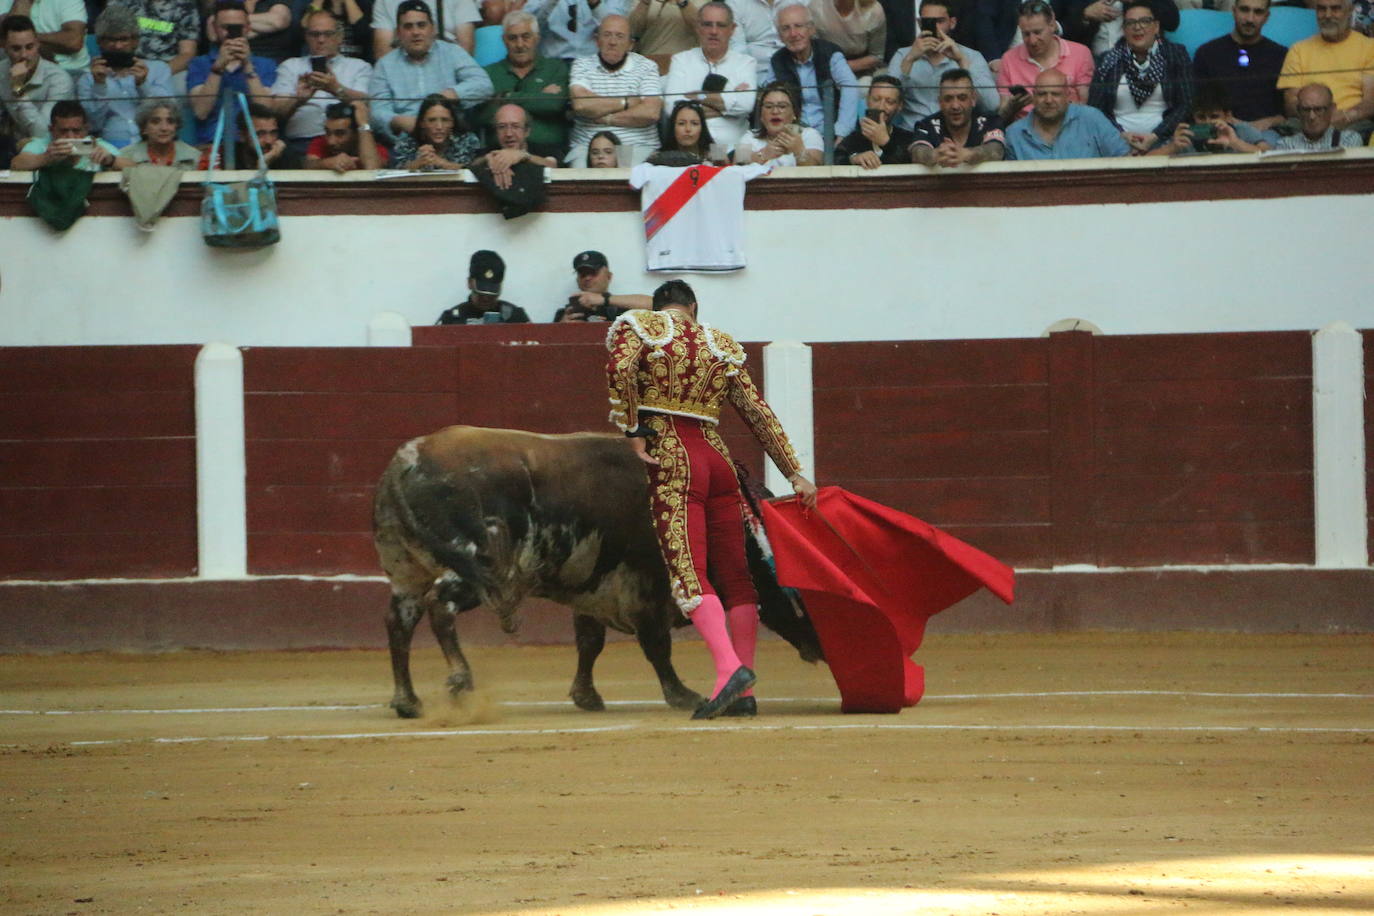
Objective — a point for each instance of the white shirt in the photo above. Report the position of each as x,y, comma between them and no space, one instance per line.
811,139
1138,119
706,232
1107,34
686,73
756,34
308,120
636,75
456,13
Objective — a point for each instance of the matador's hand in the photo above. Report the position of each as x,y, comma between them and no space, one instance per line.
641,448
806,490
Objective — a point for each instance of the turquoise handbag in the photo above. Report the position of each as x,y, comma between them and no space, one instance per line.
239,214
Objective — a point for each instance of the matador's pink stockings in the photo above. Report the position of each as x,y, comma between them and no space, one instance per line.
709,619
744,635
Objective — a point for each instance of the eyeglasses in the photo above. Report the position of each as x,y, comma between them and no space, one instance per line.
1036,8
326,33
572,17
776,106
1313,109
1144,22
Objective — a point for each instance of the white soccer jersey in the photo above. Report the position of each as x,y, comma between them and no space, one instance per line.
694,216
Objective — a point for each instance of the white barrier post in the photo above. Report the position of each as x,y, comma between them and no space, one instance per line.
221,464
1338,460
788,388
388,329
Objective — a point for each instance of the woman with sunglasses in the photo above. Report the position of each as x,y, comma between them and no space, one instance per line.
780,136
439,142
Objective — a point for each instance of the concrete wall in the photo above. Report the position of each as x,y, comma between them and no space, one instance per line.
900,273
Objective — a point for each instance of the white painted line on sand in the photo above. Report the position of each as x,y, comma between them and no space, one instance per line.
737,727
185,711
655,701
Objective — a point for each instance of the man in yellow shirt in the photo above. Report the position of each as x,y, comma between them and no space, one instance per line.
1337,57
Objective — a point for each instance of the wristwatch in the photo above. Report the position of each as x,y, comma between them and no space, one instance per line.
366,127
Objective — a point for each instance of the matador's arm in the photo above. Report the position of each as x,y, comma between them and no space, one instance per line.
762,422
625,347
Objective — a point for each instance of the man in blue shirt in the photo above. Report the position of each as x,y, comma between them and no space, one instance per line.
806,61
421,66
567,28
229,64
118,82
1057,129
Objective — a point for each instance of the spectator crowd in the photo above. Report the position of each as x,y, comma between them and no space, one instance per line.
433,85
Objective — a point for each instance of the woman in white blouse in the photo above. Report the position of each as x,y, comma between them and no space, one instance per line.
780,135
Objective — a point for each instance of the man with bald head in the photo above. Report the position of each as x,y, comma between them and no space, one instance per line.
539,84
1337,57
511,124
615,90
1059,129
1316,114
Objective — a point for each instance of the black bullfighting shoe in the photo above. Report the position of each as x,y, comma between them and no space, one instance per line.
739,682
743,708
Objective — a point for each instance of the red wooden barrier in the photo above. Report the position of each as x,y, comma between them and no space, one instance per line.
322,423
1109,451
1069,449
955,432
97,447
1204,449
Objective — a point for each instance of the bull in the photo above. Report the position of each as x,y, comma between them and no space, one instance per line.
468,517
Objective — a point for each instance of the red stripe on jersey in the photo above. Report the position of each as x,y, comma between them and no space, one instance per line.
676,196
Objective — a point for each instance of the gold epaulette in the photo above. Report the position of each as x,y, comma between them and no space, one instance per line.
656,329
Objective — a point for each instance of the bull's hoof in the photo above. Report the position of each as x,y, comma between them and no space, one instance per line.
459,684
587,698
682,697
407,709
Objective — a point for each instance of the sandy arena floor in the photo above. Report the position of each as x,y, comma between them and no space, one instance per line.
1097,774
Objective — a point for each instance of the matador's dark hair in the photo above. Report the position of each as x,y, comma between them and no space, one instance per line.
674,292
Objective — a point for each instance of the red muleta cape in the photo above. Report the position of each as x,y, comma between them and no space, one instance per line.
871,577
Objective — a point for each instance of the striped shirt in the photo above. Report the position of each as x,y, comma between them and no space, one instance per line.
637,76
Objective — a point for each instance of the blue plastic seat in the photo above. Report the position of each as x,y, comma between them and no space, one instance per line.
487,47
1197,27
1290,24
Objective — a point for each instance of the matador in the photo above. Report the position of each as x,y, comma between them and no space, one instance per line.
669,375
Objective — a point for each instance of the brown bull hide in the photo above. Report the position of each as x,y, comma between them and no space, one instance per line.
469,516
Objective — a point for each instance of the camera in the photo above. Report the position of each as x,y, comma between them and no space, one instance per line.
234,31
119,60
83,147
1203,131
